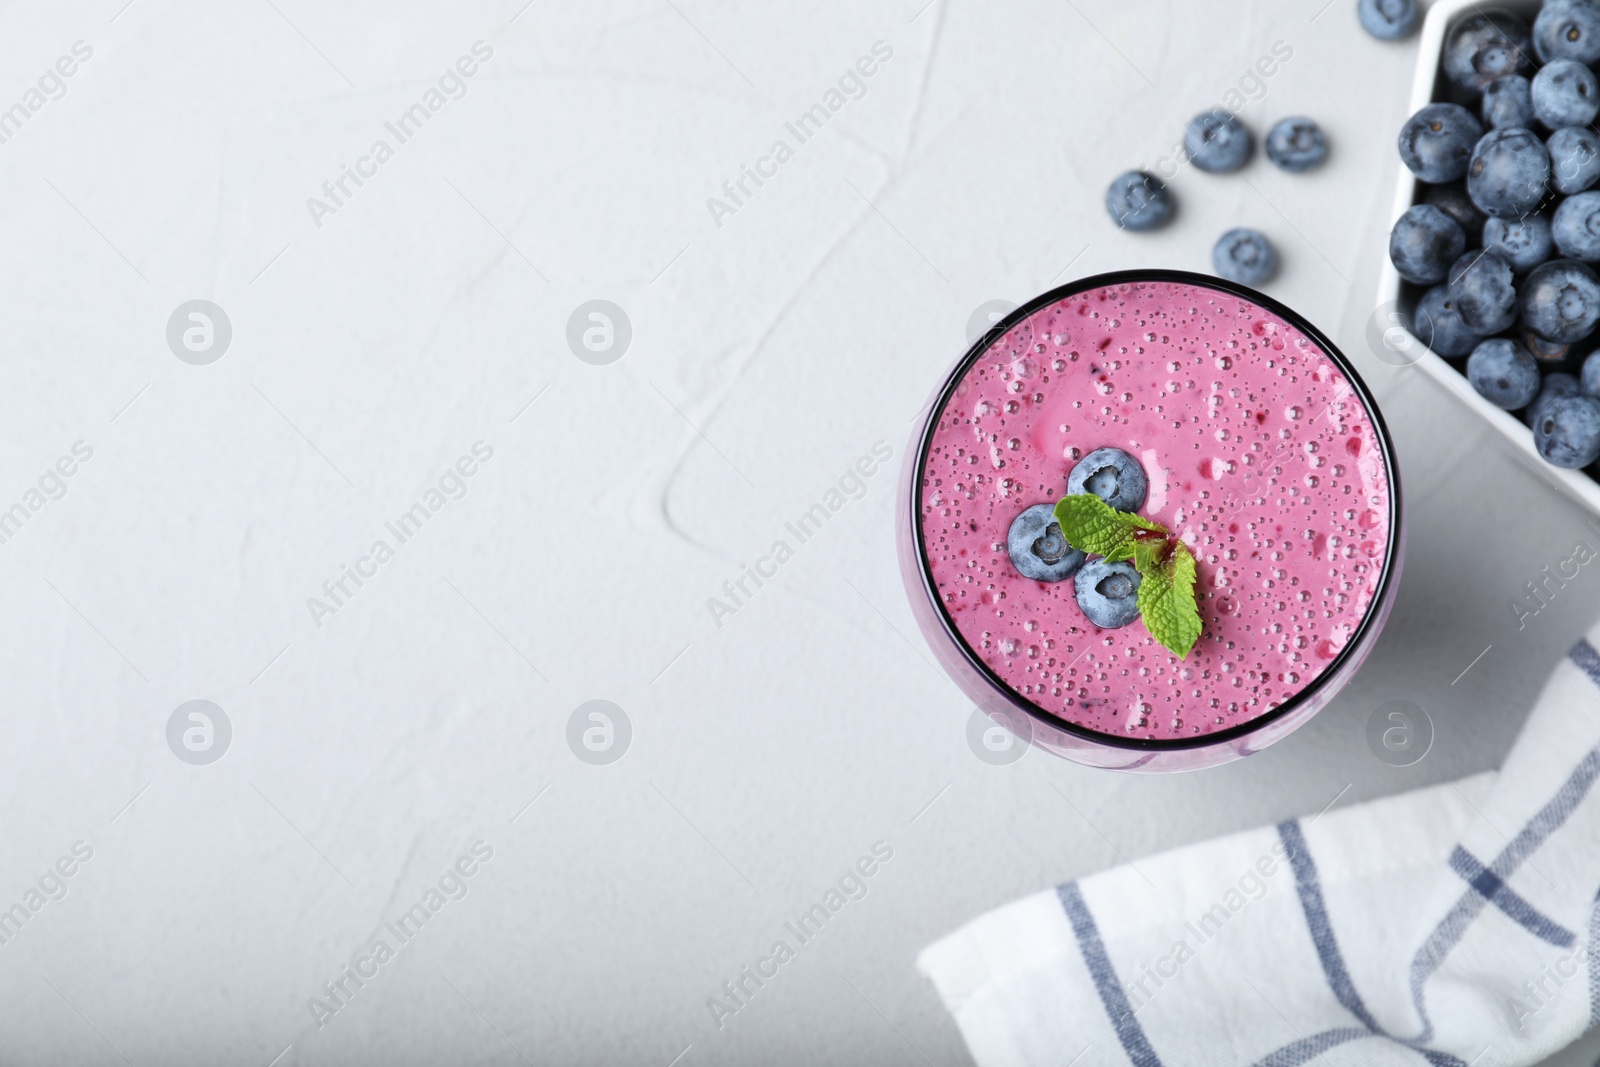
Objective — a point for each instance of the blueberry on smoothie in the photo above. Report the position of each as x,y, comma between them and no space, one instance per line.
1139,201
1113,476
1037,548
1574,159
1389,20
1436,142
1526,242
1504,373
1245,256
1576,227
1438,324
1108,593
1509,173
1481,287
1508,102
1565,93
1489,45
1297,145
1560,301
1424,243
1566,433
1217,142
1452,199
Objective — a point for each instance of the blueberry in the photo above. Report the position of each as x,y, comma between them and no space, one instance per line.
1565,93
1555,387
1389,20
1589,379
1481,289
1424,243
1549,354
1038,549
1560,301
1297,145
1574,159
1217,142
1568,29
1508,101
1576,227
1487,46
1113,476
1436,142
1452,199
1437,324
1509,173
1504,373
1525,242
1108,593
1139,201
1567,432
1245,256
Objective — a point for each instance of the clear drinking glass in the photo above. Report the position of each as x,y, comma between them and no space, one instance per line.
1286,633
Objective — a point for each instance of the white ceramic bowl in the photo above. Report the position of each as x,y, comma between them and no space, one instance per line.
1397,299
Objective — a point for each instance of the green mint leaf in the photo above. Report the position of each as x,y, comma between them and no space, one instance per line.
1093,526
1166,597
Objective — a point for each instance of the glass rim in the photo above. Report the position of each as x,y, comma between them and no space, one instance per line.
1381,589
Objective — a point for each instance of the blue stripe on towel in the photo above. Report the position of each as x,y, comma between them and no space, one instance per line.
1545,822
1594,964
1115,1001
1311,902
1585,656
1494,889
1309,888
1309,1048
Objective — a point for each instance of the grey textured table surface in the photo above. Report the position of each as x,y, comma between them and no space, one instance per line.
380,332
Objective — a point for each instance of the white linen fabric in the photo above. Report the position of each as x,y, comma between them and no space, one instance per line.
1449,926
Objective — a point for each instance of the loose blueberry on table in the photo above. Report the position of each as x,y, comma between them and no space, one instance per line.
1217,141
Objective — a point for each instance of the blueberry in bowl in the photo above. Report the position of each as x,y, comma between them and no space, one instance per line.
1452,199
1504,373
1438,324
1482,289
1508,173
1560,301
1425,242
1574,159
1486,46
1567,431
1565,93
1576,227
1508,101
1437,142
1567,29
1526,242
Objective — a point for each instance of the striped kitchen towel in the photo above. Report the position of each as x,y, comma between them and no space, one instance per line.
1448,926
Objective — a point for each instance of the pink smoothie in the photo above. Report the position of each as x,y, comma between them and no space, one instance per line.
1260,456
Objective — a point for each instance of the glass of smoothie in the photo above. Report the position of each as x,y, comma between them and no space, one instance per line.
1206,409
